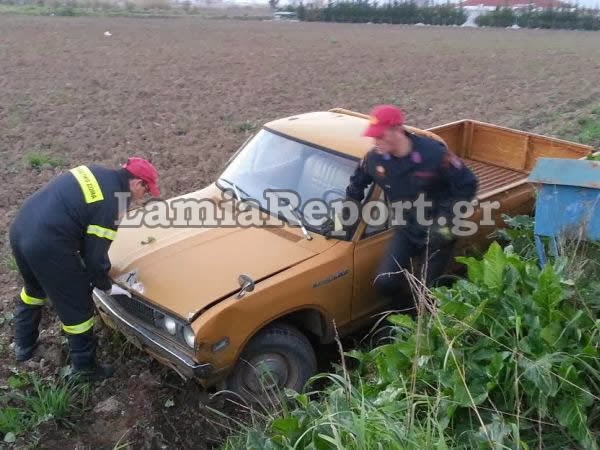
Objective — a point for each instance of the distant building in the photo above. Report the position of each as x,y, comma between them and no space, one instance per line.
475,8
491,5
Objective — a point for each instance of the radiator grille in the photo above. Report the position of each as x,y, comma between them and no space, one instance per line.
136,308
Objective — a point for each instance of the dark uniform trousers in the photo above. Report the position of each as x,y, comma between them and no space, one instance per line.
60,240
52,272
430,170
393,283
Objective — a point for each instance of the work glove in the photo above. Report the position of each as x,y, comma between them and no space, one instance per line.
440,235
336,226
117,290
332,228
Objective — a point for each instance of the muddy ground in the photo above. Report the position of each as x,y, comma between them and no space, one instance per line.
186,93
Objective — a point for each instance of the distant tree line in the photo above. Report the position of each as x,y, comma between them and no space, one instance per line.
396,12
408,12
558,18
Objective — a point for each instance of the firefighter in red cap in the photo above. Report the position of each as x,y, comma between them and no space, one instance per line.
60,240
408,166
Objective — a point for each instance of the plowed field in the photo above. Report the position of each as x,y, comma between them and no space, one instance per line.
187,92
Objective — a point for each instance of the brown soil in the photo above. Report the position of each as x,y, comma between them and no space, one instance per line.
183,91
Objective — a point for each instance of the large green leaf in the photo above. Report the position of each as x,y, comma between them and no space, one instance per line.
390,394
493,267
497,364
498,432
457,310
551,333
476,388
486,353
571,414
286,425
256,441
402,320
549,291
472,318
474,268
391,362
510,277
317,443
532,272
540,373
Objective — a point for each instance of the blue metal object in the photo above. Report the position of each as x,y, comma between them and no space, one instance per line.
568,201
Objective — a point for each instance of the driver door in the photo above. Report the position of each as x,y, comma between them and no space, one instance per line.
368,250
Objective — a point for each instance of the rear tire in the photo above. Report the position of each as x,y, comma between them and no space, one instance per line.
277,358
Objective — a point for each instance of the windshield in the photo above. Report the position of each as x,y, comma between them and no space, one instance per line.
271,168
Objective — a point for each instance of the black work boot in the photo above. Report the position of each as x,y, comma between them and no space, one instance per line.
97,372
27,322
83,358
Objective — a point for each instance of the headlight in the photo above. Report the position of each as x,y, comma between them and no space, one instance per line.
180,330
170,325
188,335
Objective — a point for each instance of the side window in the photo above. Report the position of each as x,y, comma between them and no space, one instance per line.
378,227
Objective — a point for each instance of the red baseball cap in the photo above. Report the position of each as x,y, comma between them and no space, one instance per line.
383,117
140,168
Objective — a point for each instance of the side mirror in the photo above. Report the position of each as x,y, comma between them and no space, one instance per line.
246,284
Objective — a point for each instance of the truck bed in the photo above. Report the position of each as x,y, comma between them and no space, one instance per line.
502,158
491,177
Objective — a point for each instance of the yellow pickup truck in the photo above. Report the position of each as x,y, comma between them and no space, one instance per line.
232,282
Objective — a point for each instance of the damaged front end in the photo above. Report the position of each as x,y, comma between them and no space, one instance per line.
159,333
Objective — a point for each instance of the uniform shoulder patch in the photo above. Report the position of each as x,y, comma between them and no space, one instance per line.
416,157
449,159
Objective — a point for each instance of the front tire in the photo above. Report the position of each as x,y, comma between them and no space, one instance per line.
277,358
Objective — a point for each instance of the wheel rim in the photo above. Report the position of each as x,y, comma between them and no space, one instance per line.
266,372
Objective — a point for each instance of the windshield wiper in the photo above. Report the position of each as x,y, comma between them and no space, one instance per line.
236,189
300,219
296,215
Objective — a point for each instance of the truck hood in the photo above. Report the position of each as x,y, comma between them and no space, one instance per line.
184,270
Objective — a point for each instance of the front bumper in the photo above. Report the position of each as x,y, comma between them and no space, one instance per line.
147,340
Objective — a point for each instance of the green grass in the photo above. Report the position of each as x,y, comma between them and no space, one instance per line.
11,263
64,10
587,128
584,129
38,160
72,11
117,344
244,127
31,401
346,418
26,10
590,130
159,10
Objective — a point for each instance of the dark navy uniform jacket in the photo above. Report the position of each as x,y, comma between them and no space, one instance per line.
77,211
430,169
